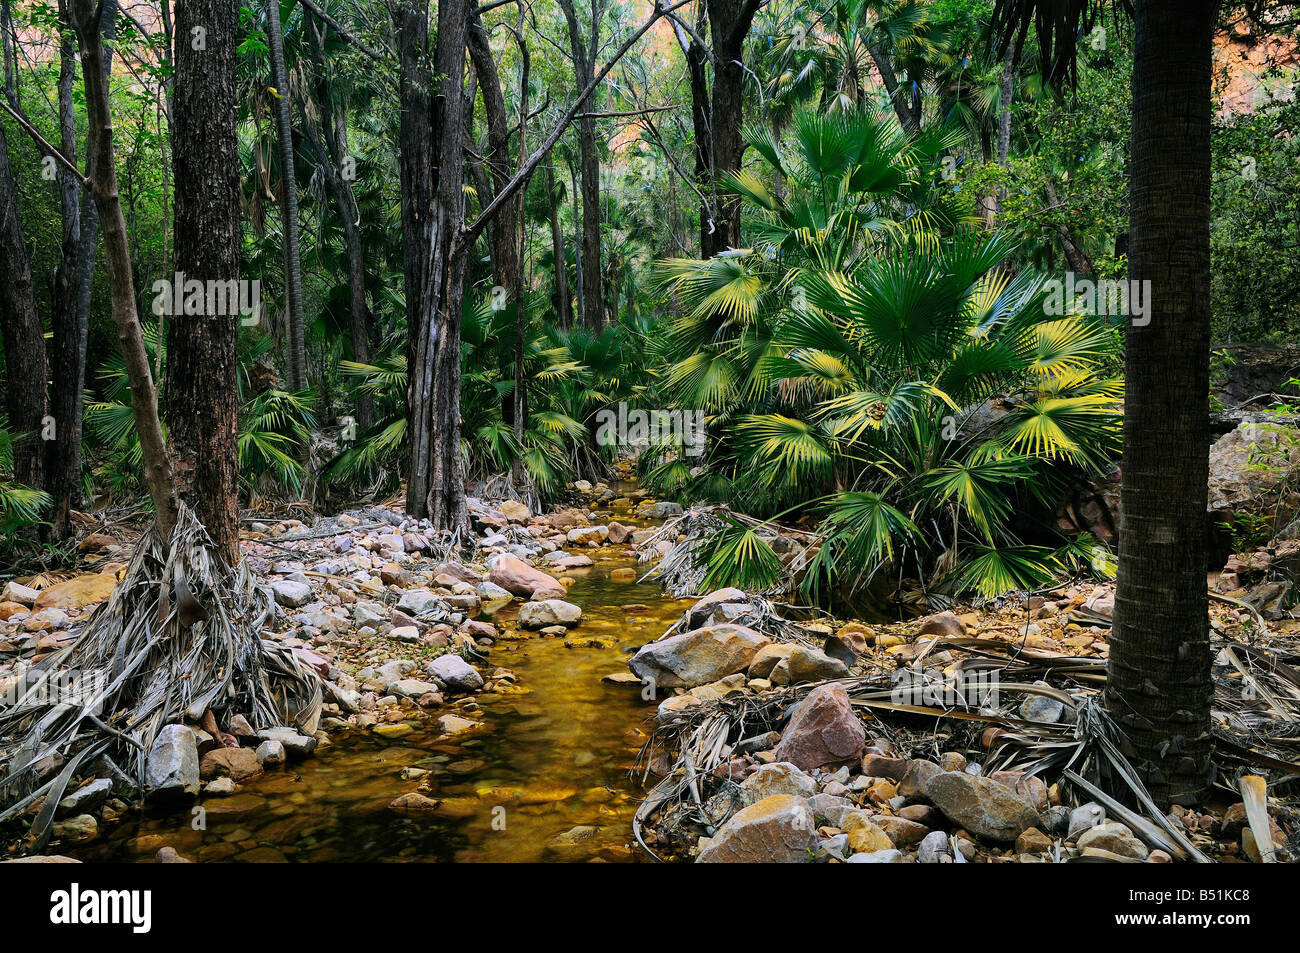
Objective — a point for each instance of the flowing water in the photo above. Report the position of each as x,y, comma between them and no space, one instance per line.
553,756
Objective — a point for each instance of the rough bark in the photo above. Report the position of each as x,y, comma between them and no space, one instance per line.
103,186
716,115
295,346
24,342
70,313
435,486
1159,684
202,390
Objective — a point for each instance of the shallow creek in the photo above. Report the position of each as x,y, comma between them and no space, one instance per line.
554,756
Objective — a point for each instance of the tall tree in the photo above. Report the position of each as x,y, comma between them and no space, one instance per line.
202,389
295,347
583,52
717,113
102,185
24,340
1158,680
330,143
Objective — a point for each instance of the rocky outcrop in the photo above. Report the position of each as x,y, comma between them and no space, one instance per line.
697,657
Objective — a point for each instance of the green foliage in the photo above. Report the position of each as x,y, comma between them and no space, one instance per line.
881,369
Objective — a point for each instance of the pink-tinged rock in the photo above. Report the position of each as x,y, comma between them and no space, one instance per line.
776,830
318,663
457,571
823,730
516,576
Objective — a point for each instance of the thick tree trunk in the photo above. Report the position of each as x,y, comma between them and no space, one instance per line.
729,23
1159,685
436,483
202,390
24,341
334,134
70,312
295,347
103,186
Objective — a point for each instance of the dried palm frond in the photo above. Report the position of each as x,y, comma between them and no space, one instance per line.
146,660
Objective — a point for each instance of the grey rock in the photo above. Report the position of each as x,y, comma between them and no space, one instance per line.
172,768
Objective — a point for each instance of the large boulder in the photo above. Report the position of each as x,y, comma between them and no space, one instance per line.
697,657
454,672
78,592
776,830
984,807
823,730
172,769
517,577
1252,467
538,615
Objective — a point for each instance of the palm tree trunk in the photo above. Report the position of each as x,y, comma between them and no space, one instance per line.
1159,683
202,390
296,354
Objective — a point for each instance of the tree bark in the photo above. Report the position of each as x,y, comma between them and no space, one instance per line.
435,486
202,390
718,118
295,347
1159,686
24,341
103,186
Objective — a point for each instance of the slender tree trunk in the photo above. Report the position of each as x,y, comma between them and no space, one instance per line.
584,67
334,134
24,341
503,238
296,354
202,390
415,169
577,244
1159,686
562,304
103,186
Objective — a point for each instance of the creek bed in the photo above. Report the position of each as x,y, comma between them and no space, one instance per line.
555,756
